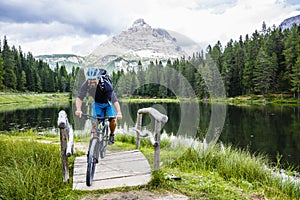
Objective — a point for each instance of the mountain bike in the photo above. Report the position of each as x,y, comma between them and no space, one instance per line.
97,146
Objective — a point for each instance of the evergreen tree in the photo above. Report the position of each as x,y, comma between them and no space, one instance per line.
162,90
10,79
17,67
141,79
1,72
295,78
80,78
263,71
216,55
251,48
30,76
238,68
291,53
22,83
227,70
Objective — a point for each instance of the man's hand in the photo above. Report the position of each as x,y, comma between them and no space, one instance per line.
78,113
119,116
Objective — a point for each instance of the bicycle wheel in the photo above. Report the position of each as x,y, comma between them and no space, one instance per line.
92,160
104,141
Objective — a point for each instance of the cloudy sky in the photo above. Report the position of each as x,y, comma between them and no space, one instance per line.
78,26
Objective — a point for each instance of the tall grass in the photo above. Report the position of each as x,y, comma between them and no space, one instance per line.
30,170
238,166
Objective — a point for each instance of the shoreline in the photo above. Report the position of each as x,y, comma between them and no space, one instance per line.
8,99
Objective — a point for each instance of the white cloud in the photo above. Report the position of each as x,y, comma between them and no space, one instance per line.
79,26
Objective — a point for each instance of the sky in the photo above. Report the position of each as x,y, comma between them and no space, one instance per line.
79,26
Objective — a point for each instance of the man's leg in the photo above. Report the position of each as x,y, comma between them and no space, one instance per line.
110,111
112,126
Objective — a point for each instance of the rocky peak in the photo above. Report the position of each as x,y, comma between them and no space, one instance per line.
140,40
139,22
139,25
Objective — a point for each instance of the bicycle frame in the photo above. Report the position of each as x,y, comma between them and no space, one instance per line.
97,146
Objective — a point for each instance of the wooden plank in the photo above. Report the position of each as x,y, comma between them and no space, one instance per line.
118,169
114,183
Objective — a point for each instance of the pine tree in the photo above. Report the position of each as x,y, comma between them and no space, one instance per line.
1,72
291,52
251,48
22,83
10,79
29,68
263,72
141,79
295,78
227,70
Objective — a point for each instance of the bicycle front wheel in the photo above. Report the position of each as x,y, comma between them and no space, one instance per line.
104,141
92,160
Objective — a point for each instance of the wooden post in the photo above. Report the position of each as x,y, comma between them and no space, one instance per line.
157,147
159,119
64,158
139,127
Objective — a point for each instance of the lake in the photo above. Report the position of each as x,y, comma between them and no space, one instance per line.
272,130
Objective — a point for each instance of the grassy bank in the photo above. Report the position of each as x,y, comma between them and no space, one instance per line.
267,99
32,170
9,101
17,99
282,99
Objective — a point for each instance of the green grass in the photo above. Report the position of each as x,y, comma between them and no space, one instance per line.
12,101
32,170
282,99
233,174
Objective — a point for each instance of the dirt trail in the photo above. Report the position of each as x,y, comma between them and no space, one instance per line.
137,195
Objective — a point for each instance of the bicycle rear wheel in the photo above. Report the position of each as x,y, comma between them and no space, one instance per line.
104,141
92,160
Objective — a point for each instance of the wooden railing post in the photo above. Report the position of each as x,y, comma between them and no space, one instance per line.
159,119
157,147
66,142
139,127
64,158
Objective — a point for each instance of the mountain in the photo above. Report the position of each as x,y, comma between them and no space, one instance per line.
69,60
139,42
288,23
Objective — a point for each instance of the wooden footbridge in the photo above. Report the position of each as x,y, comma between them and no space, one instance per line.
117,169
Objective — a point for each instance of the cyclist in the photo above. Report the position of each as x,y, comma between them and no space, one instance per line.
98,86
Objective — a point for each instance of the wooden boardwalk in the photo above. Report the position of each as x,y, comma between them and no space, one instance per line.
118,169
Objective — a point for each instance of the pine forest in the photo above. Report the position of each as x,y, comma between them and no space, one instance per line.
265,62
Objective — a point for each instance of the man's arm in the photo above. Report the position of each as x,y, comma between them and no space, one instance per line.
81,94
118,109
116,105
78,104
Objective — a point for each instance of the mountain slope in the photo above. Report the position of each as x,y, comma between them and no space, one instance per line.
69,60
288,23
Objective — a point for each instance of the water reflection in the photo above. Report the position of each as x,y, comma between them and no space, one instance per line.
40,119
